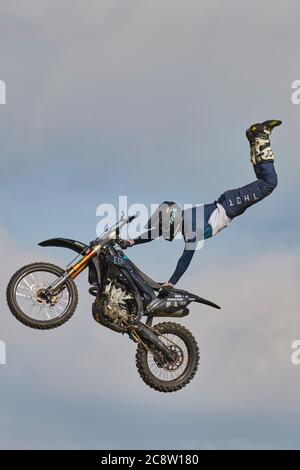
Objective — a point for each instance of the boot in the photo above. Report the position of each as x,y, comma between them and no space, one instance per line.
258,136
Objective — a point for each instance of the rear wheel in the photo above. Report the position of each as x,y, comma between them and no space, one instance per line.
161,373
27,302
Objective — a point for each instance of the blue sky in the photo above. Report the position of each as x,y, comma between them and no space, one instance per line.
151,99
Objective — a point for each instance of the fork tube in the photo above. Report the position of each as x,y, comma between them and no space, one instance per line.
76,269
82,264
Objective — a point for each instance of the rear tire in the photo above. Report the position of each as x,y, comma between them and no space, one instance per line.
15,309
192,352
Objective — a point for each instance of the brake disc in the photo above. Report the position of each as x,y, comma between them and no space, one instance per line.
163,362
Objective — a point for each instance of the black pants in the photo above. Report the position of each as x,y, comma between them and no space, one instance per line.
236,201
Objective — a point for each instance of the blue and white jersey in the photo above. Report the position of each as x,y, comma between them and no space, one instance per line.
203,221
218,219
199,223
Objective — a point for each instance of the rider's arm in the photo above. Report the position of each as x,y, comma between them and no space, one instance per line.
152,232
182,265
146,237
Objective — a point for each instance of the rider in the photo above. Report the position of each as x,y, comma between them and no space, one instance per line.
201,222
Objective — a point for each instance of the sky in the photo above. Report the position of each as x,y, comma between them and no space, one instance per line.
151,99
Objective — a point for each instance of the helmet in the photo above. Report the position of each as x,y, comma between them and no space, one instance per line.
170,219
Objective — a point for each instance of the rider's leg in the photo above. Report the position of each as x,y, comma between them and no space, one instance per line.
236,201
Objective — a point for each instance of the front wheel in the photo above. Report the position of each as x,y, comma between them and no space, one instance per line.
165,374
28,304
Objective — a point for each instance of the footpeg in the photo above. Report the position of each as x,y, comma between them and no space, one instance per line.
94,291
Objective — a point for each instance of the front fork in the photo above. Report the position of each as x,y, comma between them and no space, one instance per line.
74,270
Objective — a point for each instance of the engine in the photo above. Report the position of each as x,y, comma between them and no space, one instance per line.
115,306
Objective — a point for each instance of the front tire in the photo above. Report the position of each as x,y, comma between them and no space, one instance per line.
27,305
186,359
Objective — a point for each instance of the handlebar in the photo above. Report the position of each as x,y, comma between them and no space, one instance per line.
113,232
123,222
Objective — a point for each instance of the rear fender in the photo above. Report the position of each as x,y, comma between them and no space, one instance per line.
200,300
194,298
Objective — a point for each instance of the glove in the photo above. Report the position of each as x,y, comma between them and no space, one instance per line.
165,289
125,243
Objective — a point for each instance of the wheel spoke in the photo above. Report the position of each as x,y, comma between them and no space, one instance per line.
27,283
34,305
46,312
19,294
161,367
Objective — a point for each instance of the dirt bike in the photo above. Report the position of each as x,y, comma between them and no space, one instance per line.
44,296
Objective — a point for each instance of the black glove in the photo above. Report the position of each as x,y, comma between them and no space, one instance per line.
165,289
125,243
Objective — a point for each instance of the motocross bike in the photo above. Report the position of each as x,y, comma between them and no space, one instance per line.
44,296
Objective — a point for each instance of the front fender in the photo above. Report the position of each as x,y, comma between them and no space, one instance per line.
65,243
78,247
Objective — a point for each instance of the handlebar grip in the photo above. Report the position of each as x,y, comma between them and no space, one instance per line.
131,218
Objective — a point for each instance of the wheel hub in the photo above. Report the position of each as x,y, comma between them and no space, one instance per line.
41,296
164,362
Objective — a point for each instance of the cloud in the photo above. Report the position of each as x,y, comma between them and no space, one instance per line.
121,79
68,375
150,99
